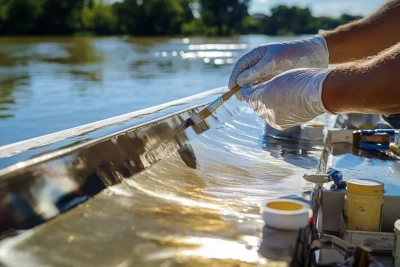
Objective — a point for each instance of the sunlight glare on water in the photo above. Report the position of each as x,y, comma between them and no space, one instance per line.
48,84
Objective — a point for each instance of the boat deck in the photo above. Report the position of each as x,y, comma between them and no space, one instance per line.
145,196
188,202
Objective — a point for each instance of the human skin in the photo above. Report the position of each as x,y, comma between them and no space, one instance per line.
371,83
365,37
370,86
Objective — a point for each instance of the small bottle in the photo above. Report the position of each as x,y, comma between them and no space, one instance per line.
363,205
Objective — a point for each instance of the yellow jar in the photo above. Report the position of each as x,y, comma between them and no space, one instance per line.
363,205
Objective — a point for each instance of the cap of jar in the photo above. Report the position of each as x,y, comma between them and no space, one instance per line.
365,187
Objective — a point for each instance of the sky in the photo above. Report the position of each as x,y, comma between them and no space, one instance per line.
332,8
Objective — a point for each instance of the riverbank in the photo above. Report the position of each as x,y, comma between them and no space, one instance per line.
158,18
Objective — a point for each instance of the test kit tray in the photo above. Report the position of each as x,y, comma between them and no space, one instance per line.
354,163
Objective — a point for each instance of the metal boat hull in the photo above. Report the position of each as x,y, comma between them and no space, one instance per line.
148,198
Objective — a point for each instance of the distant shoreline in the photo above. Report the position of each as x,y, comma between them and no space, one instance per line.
161,18
145,36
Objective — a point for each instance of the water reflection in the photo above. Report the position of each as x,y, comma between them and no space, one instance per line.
78,80
294,151
9,87
139,63
93,76
217,47
79,51
7,59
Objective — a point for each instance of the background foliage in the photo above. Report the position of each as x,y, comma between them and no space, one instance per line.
156,18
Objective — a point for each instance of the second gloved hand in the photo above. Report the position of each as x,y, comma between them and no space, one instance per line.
289,99
266,61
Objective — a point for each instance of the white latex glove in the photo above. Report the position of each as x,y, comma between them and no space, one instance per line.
289,99
269,60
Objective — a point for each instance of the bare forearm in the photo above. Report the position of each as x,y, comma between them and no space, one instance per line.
365,37
371,86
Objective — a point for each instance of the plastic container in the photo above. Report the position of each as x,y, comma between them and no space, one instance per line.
396,245
363,205
286,214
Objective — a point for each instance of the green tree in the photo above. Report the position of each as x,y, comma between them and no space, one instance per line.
150,17
20,16
61,16
157,17
187,6
286,20
289,20
99,18
194,27
225,15
250,24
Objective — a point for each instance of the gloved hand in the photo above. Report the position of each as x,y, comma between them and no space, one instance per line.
289,99
269,60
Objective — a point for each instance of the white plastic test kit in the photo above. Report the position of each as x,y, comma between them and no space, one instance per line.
286,214
339,136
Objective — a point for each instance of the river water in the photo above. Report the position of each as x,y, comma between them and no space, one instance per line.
49,84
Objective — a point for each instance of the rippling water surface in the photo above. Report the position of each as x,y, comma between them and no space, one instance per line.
51,84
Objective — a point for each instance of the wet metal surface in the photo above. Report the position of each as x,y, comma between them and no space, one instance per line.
24,150
191,200
357,164
38,189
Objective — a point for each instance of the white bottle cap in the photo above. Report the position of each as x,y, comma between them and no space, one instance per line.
286,214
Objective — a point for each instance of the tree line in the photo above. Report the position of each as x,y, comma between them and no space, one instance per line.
156,18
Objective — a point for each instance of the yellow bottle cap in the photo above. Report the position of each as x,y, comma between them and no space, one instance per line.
365,187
